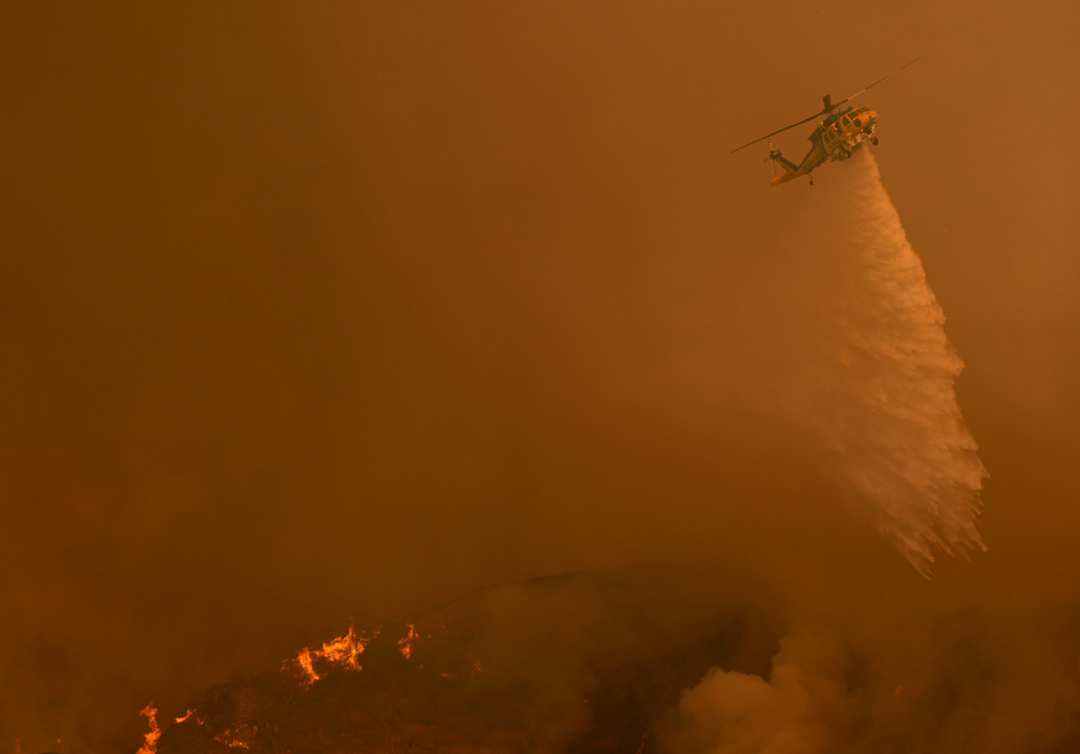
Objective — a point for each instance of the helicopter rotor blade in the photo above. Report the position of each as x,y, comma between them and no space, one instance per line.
829,107
869,86
778,131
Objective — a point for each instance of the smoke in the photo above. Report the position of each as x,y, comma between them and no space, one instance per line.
804,707
881,386
967,680
338,311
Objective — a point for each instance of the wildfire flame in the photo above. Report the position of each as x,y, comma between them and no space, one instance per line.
150,713
343,651
405,642
229,737
306,664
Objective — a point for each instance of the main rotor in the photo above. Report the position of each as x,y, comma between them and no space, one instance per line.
827,107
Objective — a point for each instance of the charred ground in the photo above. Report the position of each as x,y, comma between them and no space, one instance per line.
569,663
626,662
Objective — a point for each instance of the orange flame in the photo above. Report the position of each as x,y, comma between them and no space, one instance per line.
344,651
405,642
150,713
190,712
307,665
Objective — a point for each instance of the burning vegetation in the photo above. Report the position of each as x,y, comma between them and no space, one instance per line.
405,642
639,662
342,652
546,665
152,736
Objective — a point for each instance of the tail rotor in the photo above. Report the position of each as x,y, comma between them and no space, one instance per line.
773,154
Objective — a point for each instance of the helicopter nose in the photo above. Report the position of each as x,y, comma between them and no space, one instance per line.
867,119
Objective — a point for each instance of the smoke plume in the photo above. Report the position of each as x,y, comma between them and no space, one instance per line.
883,396
330,311
804,707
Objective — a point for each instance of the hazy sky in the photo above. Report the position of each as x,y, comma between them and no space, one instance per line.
325,310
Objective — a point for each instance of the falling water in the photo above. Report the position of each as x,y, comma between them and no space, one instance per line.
895,438
874,384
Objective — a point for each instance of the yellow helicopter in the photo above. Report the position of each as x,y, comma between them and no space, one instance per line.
836,136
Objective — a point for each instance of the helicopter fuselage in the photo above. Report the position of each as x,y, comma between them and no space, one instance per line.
836,137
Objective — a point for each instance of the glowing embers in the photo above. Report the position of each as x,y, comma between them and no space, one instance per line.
233,739
342,652
405,642
151,737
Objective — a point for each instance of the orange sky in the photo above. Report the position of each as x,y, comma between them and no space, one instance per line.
316,311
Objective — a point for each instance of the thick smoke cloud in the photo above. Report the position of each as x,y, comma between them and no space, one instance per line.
968,681
804,707
328,312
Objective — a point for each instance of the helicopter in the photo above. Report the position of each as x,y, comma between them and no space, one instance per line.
836,136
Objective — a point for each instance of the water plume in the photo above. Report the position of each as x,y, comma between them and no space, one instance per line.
883,394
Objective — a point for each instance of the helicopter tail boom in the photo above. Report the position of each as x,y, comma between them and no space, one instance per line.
789,166
783,178
791,170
